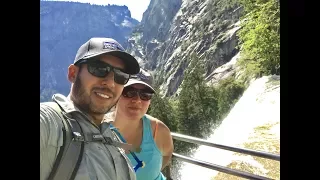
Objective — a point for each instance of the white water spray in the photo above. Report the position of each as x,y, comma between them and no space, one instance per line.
258,106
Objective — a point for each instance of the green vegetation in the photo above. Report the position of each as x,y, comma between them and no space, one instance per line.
197,107
260,38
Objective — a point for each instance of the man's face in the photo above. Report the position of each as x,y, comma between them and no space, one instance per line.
92,94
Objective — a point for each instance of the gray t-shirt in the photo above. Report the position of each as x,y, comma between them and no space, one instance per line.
99,162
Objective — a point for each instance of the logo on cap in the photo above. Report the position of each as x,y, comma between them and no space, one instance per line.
111,46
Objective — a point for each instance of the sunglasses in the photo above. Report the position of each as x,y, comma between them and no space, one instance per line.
101,69
130,92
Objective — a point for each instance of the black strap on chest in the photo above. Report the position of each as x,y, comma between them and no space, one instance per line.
70,154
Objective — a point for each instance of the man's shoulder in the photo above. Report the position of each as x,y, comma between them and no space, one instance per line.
51,133
50,115
49,108
47,104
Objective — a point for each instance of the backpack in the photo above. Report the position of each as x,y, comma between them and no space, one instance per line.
70,154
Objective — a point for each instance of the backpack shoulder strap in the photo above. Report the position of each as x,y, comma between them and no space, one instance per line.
70,154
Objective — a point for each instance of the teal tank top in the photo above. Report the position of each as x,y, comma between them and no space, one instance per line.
149,154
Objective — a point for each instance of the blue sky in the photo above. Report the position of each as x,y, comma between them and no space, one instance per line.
136,7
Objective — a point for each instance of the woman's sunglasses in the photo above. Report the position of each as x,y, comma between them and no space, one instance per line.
101,69
130,92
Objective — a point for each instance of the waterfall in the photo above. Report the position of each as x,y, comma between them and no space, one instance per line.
259,106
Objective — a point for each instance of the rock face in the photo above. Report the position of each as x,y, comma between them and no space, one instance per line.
172,30
64,26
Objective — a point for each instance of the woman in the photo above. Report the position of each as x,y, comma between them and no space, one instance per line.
143,131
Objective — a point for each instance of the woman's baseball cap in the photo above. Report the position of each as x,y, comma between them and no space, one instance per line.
143,77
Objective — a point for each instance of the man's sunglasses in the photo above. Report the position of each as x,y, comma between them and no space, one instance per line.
130,92
101,69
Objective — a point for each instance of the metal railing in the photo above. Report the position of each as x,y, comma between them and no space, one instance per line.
223,169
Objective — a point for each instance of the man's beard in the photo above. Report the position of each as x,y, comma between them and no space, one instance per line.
83,101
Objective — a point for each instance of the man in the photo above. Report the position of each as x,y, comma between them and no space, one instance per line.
98,74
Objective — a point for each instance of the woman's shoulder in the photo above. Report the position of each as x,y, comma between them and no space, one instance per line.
161,126
151,118
164,142
153,121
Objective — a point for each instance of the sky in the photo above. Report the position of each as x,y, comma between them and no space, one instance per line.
136,7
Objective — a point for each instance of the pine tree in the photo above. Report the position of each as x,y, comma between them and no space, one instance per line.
197,104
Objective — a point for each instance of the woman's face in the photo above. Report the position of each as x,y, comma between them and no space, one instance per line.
134,101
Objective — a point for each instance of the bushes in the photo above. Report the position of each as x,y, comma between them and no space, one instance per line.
260,38
229,91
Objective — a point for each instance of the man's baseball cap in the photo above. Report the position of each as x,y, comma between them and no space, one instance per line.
143,77
98,45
